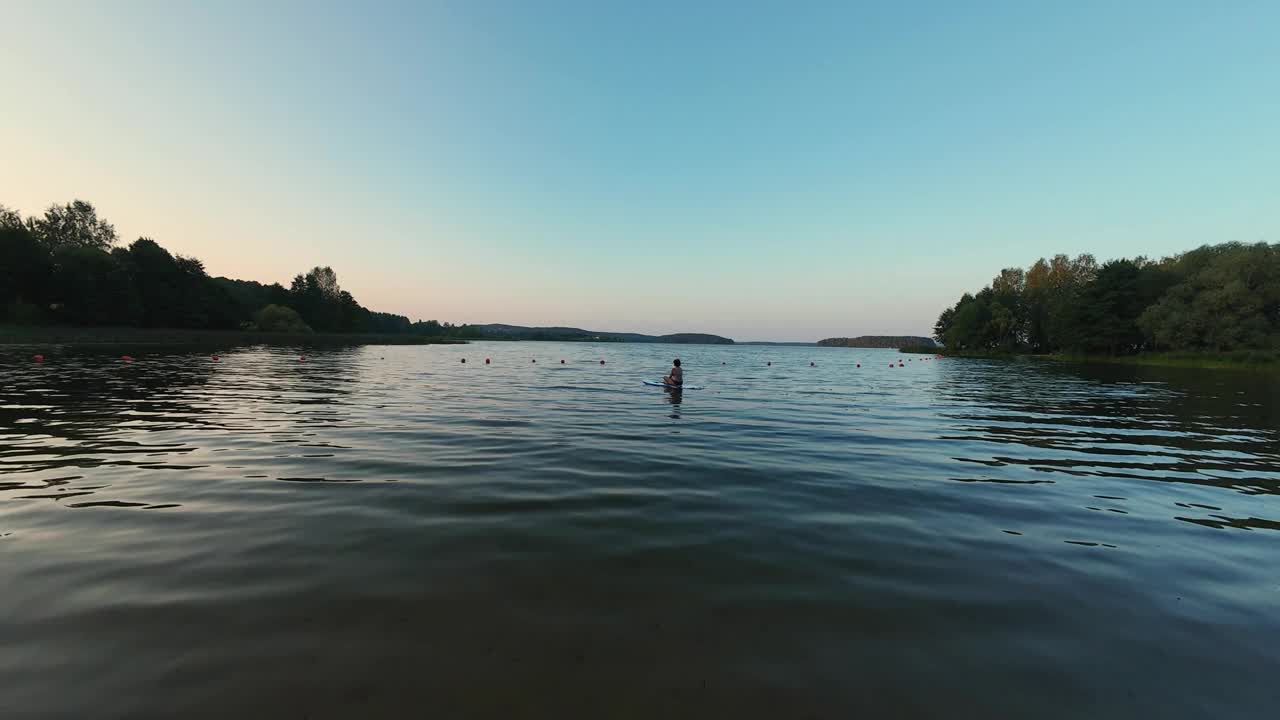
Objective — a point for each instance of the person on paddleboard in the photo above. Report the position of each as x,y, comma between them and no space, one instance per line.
676,378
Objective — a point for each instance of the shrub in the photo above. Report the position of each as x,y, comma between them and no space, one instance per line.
278,318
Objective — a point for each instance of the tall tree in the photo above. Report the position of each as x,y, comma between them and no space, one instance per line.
10,219
322,303
93,287
75,224
1036,297
159,283
26,272
1008,313
942,326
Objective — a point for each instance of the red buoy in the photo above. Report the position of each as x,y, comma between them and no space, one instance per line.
859,365
486,361
812,365
127,358
770,363
302,358
216,358
38,358
533,361
562,361
602,362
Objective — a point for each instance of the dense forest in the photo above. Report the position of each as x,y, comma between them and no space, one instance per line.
68,268
1215,298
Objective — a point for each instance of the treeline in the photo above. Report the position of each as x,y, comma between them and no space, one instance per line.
878,341
1215,298
67,267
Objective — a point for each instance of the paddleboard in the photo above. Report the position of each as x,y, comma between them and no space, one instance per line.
650,383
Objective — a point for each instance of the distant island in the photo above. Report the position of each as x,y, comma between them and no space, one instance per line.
878,341
498,331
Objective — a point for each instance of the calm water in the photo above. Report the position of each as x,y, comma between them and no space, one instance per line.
389,532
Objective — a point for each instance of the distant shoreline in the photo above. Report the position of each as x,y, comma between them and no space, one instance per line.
779,344
107,336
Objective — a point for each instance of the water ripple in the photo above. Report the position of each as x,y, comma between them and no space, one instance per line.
382,530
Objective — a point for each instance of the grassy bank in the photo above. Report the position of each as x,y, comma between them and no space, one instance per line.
1239,359
130,336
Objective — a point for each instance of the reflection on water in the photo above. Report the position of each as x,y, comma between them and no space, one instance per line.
675,397
391,532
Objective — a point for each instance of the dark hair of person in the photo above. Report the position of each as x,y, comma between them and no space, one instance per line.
677,362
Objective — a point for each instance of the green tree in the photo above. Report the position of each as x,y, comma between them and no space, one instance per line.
1227,298
970,324
1007,330
943,324
1036,296
1104,316
1218,297
1061,287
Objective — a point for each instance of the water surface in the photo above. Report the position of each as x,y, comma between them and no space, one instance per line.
387,531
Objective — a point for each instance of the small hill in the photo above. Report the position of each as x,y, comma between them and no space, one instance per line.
879,341
694,339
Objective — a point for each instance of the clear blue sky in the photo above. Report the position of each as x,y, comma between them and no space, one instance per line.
762,170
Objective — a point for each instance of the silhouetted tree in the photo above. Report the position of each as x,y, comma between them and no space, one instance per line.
10,219
156,275
316,297
388,323
26,272
64,267
91,287
75,224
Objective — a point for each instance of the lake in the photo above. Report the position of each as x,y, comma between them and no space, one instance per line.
389,532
